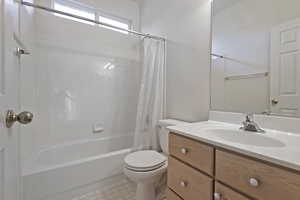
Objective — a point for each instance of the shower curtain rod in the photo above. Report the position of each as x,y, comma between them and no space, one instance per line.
216,55
90,20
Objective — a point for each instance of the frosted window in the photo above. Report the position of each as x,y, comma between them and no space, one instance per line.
74,9
90,13
116,23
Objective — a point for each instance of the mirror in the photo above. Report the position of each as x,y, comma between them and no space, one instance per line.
255,62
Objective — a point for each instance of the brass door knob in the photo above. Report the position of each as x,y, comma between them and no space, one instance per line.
274,101
24,118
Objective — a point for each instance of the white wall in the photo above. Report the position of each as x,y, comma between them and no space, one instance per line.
241,32
186,25
66,82
66,86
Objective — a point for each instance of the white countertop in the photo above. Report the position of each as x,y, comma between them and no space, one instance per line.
283,149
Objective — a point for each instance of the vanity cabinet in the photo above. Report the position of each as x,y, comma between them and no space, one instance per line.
223,192
188,182
196,154
261,181
199,171
172,195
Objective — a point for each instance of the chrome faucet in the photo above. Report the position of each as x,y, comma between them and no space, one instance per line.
250,125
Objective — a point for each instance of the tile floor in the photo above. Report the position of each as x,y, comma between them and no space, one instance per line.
113,188
117,187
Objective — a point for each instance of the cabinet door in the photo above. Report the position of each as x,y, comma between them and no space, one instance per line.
196,154
187,182
224,193
172,196
257,179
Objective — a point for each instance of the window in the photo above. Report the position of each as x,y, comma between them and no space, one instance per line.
75,9
115,22
78,9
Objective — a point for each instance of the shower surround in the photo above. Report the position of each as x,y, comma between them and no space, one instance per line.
82,82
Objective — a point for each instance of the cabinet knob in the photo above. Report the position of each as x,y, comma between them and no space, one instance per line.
274,102
184,151
254,182
217,196
183,184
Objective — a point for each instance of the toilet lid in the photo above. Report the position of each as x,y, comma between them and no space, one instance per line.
145,160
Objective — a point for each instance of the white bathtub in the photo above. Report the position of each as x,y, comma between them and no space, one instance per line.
62,168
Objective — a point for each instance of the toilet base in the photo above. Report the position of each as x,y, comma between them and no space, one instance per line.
146,180
145,191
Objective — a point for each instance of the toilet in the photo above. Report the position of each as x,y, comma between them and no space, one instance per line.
146,167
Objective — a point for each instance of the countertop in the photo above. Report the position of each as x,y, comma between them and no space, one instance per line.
277,147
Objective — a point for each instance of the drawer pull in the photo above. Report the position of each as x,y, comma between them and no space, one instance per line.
184,151
183,184
217,196
254,182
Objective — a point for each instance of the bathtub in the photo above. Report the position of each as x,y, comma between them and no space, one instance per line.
61,168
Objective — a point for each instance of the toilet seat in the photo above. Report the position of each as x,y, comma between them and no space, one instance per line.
143,161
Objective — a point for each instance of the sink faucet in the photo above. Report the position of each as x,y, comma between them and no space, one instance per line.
250,125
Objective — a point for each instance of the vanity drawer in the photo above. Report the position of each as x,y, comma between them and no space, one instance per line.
187,182
172,196
257,179
226,193
196,154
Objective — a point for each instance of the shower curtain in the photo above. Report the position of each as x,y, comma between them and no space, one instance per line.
151,106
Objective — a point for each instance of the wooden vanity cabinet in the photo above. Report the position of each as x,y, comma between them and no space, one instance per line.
172,195
257,179
196,154
223,192
199,171
187,182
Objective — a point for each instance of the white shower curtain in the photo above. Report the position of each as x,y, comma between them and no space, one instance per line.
151,106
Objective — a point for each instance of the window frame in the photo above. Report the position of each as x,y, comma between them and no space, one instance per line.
97,12
75,5
116,18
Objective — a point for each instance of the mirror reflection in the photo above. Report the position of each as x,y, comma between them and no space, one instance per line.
255,56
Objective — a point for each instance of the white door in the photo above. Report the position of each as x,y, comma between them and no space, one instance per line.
285,69
9,82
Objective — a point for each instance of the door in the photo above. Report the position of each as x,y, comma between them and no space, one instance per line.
285,69
9,82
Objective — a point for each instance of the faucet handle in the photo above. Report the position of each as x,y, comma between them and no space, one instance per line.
249,117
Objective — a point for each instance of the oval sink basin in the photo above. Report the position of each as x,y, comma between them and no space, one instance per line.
247,138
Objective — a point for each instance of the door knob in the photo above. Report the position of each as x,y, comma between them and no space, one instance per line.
23,117
274,102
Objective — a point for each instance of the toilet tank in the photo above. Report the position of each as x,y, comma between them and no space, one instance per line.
163,132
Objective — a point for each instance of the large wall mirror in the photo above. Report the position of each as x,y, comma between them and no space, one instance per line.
256,56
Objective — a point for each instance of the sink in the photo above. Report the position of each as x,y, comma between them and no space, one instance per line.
245,137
